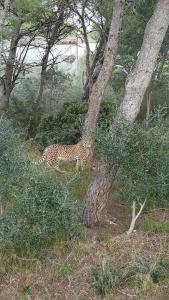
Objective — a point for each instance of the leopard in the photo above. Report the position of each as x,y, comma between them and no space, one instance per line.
81,153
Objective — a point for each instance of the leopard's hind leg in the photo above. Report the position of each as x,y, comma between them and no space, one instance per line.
56,166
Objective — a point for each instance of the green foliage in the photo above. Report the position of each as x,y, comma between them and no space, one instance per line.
142,272
66,126
140,152
104,8
44,210
105,277
132,35
65,270
134,23
151,226
56,81
26,114
35,208
31,11
13,161
154,270
25,90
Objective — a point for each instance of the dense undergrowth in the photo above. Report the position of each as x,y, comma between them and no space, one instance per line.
35,207
40,210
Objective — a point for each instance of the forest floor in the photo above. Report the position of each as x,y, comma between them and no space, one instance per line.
65,272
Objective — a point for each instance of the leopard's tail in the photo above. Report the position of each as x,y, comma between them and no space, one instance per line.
41,160
38,162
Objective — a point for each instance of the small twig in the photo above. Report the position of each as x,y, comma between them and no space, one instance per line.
128,295
26,259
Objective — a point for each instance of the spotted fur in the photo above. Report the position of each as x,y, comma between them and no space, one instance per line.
55,153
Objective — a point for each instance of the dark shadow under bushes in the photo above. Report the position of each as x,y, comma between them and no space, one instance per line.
35,207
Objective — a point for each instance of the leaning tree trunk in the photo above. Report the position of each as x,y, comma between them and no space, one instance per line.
95,68
3,14
92,207
7,83
136,85
99,87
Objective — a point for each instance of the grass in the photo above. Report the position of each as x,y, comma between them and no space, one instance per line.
151,226
66,269
136,266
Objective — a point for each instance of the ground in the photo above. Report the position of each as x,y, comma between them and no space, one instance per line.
65,271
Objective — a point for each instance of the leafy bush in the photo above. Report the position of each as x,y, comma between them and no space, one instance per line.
13,161
140,152
44,210
26,114
35,207
66,126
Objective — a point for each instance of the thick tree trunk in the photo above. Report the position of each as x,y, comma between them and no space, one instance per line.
99,87
3,13
136,85
95,198
139,79
7,84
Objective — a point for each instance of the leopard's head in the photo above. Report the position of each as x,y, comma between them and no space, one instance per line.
87,143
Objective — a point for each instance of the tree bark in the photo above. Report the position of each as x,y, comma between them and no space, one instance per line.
95,68
7,83
3,14
43,73
104,75
140,77
96,195
136,85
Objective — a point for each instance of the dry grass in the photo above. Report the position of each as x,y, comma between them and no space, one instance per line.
41,279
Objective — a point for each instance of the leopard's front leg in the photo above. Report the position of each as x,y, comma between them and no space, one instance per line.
78,164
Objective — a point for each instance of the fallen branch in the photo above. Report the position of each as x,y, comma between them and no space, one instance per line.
134,216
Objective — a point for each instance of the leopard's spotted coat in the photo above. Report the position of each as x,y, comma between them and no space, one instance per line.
55,153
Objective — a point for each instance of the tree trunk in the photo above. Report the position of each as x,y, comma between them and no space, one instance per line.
95,198
53,35
136,85
140,77
7,84
99,87
43,74
3,14
85,36
95,68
